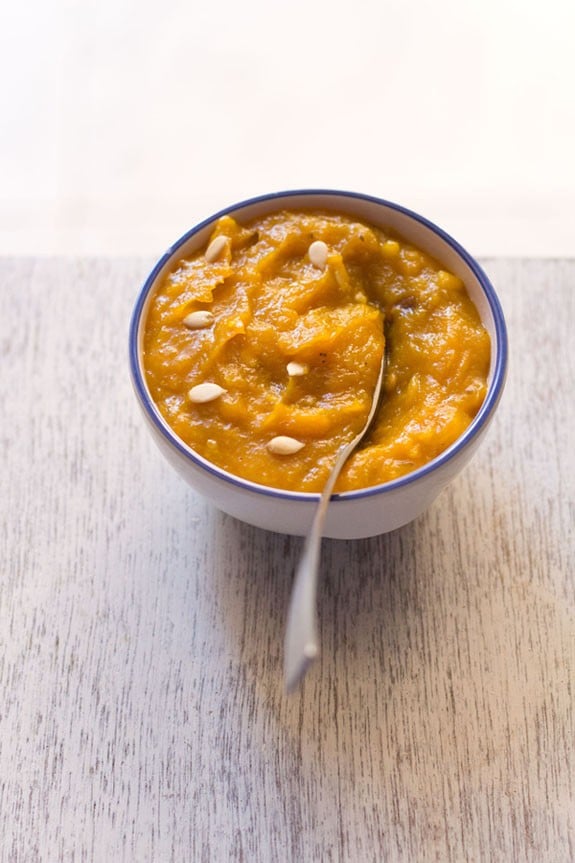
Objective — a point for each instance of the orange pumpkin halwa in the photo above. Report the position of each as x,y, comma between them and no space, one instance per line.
275,332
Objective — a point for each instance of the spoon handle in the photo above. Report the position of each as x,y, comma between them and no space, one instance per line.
301,640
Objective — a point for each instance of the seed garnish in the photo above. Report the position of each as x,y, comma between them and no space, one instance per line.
207,392
296,370
318,252
283,445
199,320
216,247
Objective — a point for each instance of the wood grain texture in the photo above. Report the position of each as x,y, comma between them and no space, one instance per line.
142,716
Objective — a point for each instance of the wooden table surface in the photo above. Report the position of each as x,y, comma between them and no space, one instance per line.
142,715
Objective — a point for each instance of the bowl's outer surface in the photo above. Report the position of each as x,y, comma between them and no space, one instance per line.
352,515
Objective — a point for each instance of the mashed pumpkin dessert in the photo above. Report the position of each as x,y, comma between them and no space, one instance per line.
262,351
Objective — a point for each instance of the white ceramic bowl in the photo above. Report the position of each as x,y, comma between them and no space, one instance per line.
354,514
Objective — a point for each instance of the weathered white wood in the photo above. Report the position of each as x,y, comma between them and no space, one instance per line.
142,716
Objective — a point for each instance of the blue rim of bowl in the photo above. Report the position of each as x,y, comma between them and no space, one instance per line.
484,414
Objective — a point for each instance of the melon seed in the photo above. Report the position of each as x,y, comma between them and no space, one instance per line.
207,392
284,445
295,370
216,247
199,320
318,252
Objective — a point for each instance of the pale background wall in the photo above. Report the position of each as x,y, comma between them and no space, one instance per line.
123,123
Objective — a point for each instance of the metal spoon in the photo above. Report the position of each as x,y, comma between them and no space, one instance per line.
301,641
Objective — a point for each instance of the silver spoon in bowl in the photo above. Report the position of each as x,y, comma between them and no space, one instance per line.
301,640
